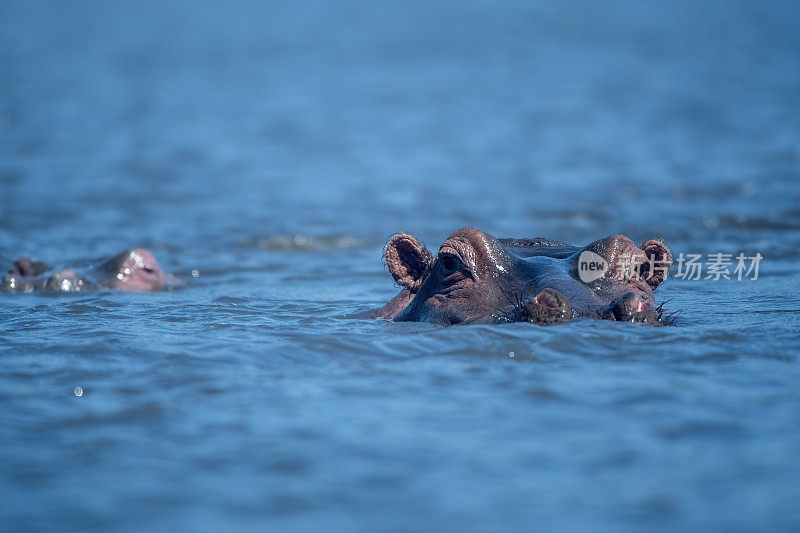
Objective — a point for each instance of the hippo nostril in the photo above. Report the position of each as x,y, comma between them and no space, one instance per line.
547,299
631,307
148,270
548,307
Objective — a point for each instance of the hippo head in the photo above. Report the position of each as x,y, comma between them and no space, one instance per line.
478,278
131,270
134,270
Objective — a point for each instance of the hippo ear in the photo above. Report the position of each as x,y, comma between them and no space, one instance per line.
25,266
656,269
407,259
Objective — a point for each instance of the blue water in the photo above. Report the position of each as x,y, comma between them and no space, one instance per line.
274,148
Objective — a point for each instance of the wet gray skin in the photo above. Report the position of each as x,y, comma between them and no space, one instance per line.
130,270
477,278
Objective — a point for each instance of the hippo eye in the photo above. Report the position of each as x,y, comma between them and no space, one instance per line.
450,264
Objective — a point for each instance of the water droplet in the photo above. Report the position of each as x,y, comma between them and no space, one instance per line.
195,273
511,354
78,391
711,222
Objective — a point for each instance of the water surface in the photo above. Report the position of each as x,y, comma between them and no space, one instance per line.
273,149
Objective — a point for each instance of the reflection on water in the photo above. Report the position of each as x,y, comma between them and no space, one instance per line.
274,149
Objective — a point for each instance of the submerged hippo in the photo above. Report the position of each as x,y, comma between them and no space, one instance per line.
131,270
477,278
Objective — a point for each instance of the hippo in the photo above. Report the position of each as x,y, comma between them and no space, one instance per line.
477,278
130,270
